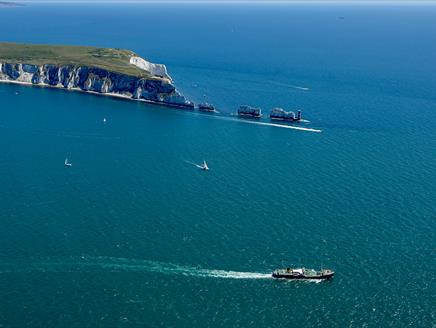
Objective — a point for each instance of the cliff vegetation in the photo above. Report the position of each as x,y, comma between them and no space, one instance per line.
109,59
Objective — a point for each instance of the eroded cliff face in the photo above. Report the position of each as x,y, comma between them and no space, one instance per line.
159,90
155,69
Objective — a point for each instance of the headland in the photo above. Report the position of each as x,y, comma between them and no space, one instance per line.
106,71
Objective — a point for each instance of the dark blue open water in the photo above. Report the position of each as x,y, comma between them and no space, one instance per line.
134,236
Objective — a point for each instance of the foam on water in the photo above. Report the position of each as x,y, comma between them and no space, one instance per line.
99,264
234,274
299,88
111,264
293,86
194,164
283,126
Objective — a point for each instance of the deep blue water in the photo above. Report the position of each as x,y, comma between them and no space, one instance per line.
133,235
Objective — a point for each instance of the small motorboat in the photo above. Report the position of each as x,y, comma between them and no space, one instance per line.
104,119
67,163
204,166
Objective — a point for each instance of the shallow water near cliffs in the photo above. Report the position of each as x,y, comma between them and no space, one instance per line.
134,235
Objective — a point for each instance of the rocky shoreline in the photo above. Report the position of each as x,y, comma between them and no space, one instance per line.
155,89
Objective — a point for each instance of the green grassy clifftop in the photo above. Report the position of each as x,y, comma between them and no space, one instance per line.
113,60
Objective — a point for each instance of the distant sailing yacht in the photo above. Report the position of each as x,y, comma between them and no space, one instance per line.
204,166
67,163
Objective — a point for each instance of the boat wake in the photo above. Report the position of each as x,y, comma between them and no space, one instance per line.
110,264
299,88
234,274
195,164
283,126
192,163
293,86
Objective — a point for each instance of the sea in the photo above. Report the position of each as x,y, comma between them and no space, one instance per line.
133,234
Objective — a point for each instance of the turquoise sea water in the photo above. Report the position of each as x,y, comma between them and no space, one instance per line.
133,235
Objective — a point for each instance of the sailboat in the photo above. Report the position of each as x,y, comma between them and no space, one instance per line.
67,163
204,166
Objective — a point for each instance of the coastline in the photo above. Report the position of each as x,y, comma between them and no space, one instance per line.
106,94
169,105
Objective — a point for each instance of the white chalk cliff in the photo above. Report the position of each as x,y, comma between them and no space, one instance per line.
155,69
158,88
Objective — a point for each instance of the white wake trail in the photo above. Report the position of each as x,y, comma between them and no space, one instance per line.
293,86
299,88
283,126
192,163
234,274
112,264
104,264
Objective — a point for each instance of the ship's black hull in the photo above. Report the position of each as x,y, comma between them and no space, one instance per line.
302,277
